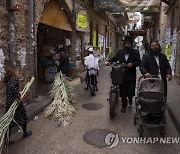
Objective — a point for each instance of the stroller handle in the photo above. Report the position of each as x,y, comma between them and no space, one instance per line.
152,77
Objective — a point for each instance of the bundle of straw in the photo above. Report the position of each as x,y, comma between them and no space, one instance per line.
9,116
62,108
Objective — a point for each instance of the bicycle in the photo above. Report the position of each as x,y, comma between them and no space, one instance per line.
91,80
117,75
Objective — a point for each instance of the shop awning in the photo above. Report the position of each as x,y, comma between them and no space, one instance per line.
54,16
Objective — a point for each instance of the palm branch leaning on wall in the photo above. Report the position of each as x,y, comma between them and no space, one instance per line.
9,116
62,108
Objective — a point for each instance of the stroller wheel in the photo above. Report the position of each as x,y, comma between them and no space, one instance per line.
164,121
140,130
135,118
162,132
112,102
112,111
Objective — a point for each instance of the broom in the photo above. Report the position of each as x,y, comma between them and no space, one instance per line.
62,108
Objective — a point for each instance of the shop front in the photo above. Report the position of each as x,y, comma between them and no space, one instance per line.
52,35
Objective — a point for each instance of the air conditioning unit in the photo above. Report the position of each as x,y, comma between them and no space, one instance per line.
12,5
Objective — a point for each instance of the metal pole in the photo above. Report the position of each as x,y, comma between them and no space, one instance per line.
11,33
31,46
35,52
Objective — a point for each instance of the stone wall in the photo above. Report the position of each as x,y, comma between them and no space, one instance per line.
3,47
21,25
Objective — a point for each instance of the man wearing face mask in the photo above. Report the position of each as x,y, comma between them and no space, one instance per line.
156,63
131,57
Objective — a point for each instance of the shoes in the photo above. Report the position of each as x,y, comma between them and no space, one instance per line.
27,134
123,110
130,101
86,88
11,143
93,94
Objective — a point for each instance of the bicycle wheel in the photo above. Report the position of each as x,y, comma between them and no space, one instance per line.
92,84
112,103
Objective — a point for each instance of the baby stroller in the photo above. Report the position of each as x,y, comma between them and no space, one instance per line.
150,104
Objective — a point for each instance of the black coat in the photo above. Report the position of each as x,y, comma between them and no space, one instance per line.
12,93
149,65
128,87
64,64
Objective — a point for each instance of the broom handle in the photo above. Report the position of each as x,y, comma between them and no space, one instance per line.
26,88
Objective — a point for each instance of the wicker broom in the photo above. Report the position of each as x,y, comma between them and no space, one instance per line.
62,108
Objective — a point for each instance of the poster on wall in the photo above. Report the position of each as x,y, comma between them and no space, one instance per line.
168,43
78,49
177,63
173,51
94,38
82,22
174,39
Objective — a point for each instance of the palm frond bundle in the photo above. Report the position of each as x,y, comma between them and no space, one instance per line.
62,107
9,116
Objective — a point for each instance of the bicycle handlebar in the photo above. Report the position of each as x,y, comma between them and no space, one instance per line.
119,64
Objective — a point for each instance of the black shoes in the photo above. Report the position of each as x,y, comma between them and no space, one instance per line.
130,101
92,94
27,134
11,143
86,88
123,110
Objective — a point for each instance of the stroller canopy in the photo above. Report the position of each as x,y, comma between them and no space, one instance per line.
151,88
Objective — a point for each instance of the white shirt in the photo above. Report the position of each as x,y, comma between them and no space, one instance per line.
157,61
126,56
91,62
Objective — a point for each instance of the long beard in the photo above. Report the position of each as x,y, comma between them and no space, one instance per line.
155,52
127,50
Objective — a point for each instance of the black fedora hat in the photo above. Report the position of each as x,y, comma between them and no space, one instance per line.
128,38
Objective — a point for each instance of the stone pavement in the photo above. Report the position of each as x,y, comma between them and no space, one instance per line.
173,101
86,134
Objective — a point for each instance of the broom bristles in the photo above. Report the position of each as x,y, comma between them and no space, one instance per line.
62,108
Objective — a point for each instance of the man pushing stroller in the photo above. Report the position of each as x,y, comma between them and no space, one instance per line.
156,63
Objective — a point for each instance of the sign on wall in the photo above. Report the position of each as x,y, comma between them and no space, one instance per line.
168,42
94,38
173,51
82,23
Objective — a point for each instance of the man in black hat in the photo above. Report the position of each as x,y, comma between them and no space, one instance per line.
131,57
64,62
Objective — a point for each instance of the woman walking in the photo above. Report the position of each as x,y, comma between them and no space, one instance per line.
13,92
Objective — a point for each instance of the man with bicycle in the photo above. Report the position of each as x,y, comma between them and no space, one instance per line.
131,58
92,67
